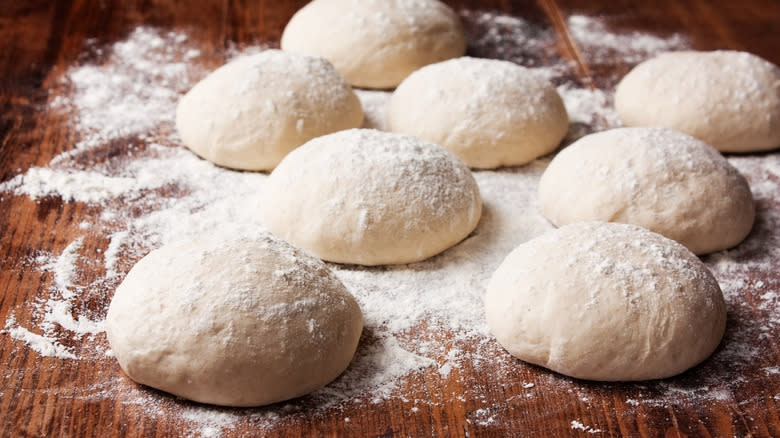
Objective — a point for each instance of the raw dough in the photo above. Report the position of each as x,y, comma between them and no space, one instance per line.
376,43
371,198
606,301
490,113
238,322
251,112
656,178
729,99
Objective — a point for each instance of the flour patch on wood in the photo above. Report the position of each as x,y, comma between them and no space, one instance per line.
577,425
64,268
46,346
603,46
113,252
149,69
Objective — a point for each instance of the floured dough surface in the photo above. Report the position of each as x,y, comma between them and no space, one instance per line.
371,198
728,99
376,43
235,322
250,113
490,113
606,301
657,178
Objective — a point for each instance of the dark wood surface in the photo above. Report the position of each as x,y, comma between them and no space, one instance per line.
39,395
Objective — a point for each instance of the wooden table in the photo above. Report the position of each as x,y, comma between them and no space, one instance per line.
44,396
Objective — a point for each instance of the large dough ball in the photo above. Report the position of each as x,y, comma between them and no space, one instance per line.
250,113
376,43
241,322
656,178
729,99
490,113
606,301
371,198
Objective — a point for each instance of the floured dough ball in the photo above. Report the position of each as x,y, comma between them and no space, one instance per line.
250,113
729,99
606,301
490,113
656,178
376,43
241,322
371,198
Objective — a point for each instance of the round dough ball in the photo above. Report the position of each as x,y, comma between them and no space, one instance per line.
657,178
490,113
250,113
376,43
241,322
371,198
729,99
606,301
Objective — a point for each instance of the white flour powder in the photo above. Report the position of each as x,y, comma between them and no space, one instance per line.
420,317
45,346
601,46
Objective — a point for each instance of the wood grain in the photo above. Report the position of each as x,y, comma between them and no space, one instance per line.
42,396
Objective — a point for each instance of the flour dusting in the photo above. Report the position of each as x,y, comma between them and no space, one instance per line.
45,346
602,46
577,425
133,93
374,104
422,320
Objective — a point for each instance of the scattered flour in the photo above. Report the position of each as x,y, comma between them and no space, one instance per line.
531,44
601,46
144,56
420,318
60,312
374,108
589,109
483,417
576,425
113,252
85,186
209,422
45,346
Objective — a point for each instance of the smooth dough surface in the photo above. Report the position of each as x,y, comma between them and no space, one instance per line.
606,301
376,43
240,322
250,113
657,178
490,113
371,198
728,99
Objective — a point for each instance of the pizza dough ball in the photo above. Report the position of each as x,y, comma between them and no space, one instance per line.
241,322
376,43
250,113
490,113
729,99
606,301
656,178
371,198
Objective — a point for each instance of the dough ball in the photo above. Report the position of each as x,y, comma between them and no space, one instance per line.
242,322
371,198
376,43
250,113
657,178
606,301
729,99
490,113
